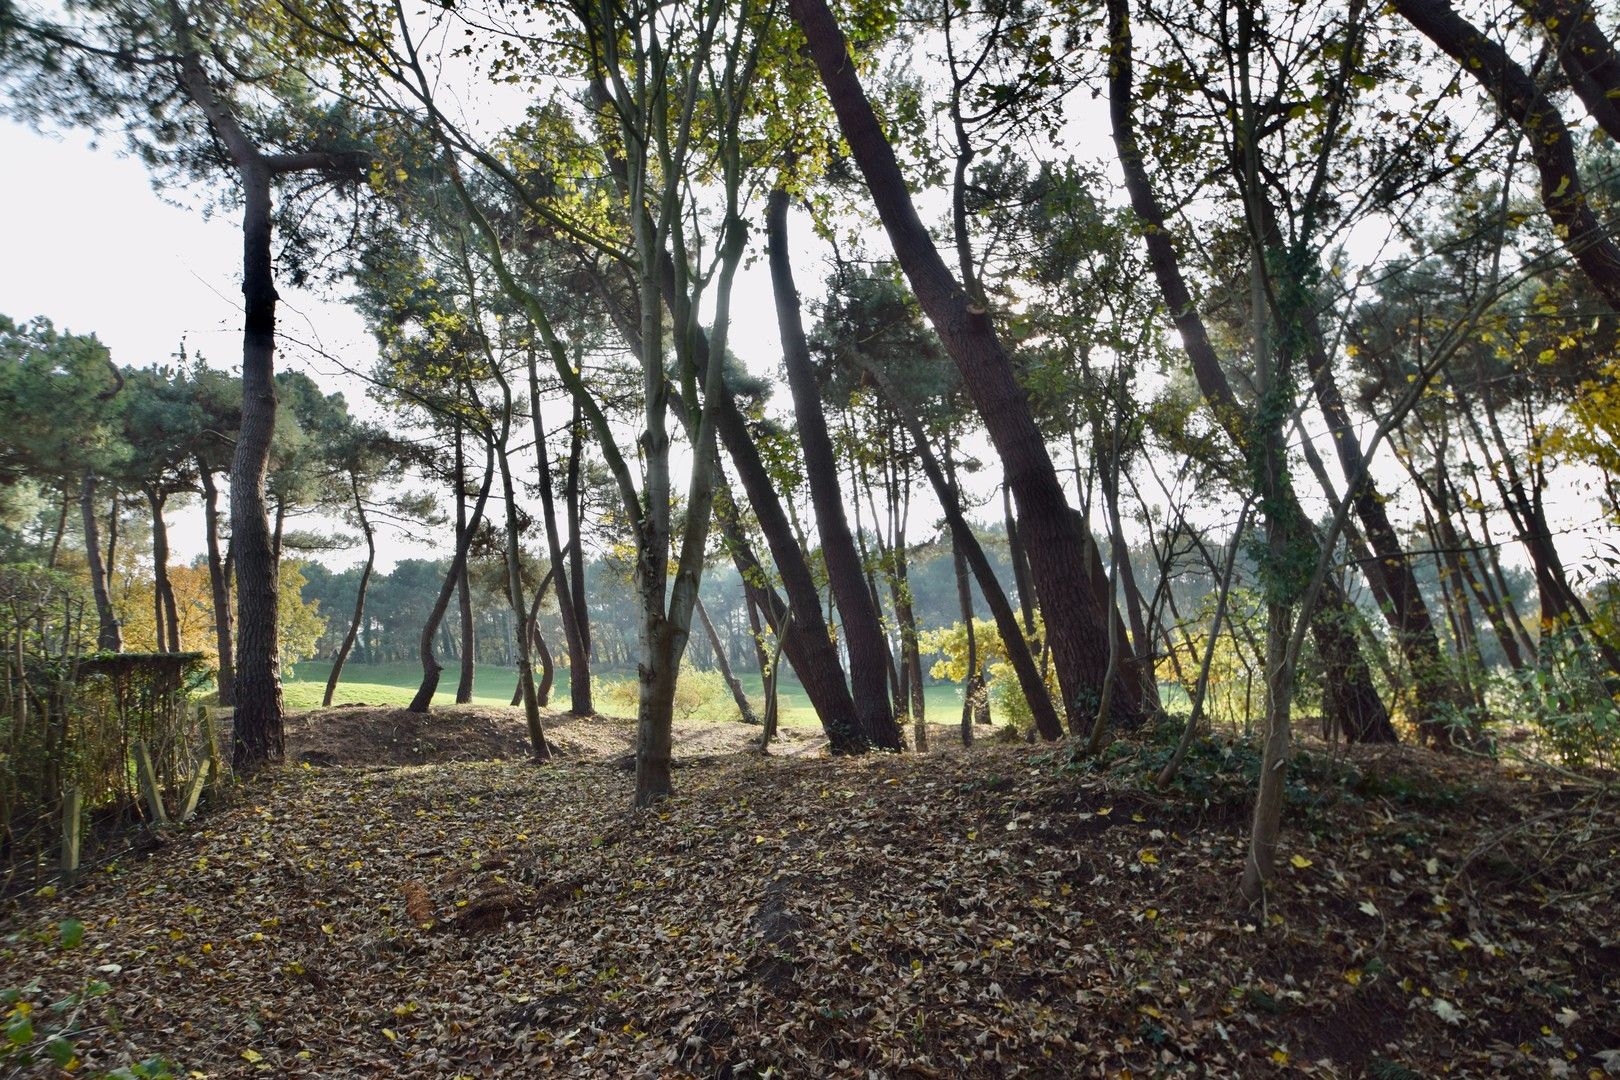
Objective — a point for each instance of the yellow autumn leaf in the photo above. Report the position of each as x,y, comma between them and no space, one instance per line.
252,1056
389,1034
1147,857
1299,862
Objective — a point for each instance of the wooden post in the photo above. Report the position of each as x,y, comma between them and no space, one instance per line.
218,769
72,806
194,789
147,779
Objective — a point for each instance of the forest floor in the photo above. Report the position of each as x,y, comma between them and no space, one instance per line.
995,913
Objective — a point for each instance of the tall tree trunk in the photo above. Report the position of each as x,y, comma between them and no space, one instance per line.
109,636
1435,688
904,614
863,628
469,649
160,560
861,483
164,607
1020,565
1491,565
1351,699
1561,607
579,659
277,528
971,687
114,518
1587,55
431,667
572,500
1078,640
810,648
219,579
1275,401
257,736
359,595
514,577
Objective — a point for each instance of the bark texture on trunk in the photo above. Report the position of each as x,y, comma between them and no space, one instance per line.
863,628
257,736
1079,641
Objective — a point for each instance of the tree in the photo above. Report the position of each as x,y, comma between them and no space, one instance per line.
168,75
62,390
1078,638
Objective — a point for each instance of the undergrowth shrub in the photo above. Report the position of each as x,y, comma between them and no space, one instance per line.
700,696
1570,704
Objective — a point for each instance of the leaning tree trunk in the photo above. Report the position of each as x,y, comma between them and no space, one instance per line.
814,656
219,580
572,503
1030,681
430,663
1350,697
109,636
863,629
359,595
744,709
469,649
1078,640
573,621
61,527
1523,100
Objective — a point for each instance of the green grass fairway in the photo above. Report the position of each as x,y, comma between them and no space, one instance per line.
395,684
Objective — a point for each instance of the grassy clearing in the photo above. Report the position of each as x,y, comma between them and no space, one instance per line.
394,684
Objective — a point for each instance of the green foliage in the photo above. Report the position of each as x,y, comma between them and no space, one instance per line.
950,644
700,696
1568,703
301,621
38,1035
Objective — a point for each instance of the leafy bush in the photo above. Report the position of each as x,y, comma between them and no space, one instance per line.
700,696
1568,701
949,643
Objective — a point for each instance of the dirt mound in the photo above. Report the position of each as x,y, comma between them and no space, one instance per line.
366,735
387,735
